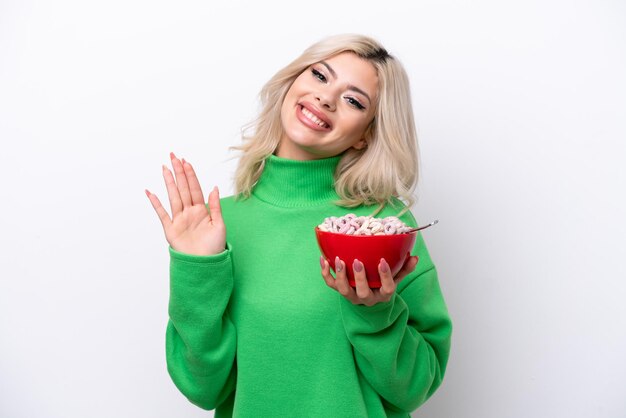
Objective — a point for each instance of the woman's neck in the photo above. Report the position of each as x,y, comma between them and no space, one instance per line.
293,183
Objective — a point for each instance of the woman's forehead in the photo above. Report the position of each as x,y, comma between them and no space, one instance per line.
349,68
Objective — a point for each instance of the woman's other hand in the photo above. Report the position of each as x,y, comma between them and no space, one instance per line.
192,228
362,294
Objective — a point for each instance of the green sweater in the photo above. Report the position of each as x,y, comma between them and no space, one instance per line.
255,331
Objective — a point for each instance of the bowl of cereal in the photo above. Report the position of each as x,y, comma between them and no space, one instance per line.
366,239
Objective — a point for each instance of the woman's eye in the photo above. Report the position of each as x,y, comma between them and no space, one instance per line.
354,102
318,75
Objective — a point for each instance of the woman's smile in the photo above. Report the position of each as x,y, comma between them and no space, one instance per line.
312,117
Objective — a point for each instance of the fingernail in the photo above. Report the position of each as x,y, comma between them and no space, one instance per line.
147,193
322,261
172,156
384,267
183,160
337,265
357,266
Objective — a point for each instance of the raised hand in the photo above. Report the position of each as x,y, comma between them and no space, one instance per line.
362,294
191,229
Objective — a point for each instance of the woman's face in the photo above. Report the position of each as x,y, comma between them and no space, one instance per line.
328,108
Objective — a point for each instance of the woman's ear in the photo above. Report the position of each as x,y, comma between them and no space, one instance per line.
366,135
360,145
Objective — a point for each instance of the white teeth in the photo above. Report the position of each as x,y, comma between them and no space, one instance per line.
313,118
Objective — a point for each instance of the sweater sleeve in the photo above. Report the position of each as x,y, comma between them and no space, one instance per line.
201,339
402,346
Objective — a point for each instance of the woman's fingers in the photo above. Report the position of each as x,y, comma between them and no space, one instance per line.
160,210
341,280
388,286
328,278
197,197
181,180
215,207
363,290
362,293
172,192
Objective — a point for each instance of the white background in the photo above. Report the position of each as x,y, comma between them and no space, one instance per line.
521,114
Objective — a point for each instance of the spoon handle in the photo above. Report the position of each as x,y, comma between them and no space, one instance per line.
436,221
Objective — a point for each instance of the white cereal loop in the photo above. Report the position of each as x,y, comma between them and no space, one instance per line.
351,224
390,229
375,226
343,229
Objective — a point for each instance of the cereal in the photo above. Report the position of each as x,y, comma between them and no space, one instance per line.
351,224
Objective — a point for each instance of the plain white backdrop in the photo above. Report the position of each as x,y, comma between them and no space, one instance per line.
521,112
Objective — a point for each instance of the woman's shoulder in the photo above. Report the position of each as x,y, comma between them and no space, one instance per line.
236,205
227,200
230,202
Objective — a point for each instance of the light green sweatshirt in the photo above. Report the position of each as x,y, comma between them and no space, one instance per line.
255,331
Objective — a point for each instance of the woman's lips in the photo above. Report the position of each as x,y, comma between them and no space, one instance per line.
312,118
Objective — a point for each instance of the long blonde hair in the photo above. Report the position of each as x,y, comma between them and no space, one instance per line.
385,169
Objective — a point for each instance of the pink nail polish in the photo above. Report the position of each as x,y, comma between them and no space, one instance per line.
357,266
322,261
337,265
384,267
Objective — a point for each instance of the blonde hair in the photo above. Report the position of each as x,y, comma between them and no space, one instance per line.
385,169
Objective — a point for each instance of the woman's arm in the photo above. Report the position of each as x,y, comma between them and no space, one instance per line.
401,332
201,339
402,346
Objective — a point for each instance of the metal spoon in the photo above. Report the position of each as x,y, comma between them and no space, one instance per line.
435,222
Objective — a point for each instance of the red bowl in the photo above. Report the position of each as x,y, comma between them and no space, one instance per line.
368,249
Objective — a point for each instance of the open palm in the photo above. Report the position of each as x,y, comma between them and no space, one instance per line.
192,228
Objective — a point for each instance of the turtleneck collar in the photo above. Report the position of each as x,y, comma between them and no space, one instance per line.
294,183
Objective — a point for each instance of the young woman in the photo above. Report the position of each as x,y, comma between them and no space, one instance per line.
259,327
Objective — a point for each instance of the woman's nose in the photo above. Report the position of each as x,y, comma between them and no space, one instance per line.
326,100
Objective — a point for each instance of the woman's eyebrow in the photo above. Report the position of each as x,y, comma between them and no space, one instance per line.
350,86
330,69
